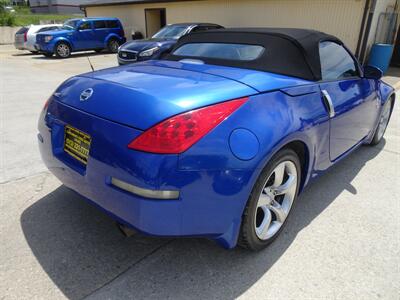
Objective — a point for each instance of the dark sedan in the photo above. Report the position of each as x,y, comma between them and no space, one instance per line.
160,43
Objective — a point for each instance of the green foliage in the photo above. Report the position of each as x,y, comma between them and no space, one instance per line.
23,16
6,18
28,19
2,4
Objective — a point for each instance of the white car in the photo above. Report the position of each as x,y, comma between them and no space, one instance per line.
25,38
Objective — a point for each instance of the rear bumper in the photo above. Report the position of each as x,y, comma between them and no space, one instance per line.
19,45
210,203
30,46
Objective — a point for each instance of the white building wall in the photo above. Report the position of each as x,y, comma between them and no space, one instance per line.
381,6
338,17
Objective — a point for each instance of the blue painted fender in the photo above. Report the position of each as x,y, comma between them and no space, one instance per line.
385,91
62,39
111,36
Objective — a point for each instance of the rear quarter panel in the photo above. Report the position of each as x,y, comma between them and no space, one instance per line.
385,91
276,118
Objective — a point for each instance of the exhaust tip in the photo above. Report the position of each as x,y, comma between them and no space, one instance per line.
125,230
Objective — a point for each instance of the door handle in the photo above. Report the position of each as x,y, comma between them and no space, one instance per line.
328,103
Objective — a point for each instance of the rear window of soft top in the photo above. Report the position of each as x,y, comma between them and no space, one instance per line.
238,52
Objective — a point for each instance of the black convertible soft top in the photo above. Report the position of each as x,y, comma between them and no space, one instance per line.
288,51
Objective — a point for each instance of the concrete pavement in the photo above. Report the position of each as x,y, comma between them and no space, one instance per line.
341,242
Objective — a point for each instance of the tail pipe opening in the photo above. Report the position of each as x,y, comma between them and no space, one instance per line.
125,230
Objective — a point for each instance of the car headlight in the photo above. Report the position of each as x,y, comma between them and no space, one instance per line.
148,52
48,38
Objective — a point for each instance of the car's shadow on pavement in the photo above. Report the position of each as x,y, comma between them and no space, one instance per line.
73,55
82,252
26,54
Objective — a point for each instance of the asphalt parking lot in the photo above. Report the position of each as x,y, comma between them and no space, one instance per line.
341,242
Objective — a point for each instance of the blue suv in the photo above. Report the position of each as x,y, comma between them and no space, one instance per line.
81,35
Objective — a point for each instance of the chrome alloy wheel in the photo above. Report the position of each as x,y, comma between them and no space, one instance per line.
384,120
63,50
275,200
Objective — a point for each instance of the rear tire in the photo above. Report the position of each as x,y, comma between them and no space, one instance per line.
271,201
63,50
113,45
383,122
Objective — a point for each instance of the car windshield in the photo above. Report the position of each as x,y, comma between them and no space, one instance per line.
71,24
170,32
239,52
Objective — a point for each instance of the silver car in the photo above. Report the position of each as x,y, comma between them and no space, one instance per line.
25,38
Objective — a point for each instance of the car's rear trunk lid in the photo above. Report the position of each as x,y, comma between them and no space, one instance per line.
143,95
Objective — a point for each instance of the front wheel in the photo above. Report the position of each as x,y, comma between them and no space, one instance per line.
113,45
383,122
63,50
271,201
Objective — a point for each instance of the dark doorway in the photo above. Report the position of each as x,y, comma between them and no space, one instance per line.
396,51
155,19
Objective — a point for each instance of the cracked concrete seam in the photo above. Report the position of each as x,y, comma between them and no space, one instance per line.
25,177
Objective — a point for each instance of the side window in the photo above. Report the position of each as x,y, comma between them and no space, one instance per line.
336,62
199,28
85,25
204,28
48,28
99,24
22,30
214,27
44,29
112,24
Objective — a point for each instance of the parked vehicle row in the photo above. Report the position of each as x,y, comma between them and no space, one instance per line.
99,34
218,138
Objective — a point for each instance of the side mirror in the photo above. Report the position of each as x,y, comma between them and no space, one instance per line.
371,72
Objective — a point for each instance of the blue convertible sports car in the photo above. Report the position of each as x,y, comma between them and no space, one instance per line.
217,139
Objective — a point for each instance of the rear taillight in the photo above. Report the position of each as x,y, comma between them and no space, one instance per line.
178,133
25,36
46,104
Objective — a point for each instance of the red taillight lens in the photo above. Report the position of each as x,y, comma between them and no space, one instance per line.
176,134
46,104
25,36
